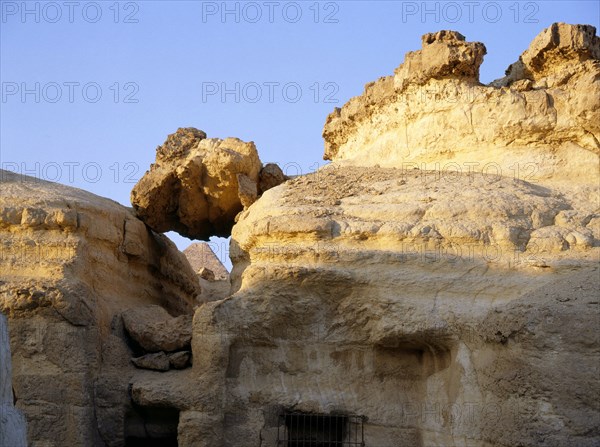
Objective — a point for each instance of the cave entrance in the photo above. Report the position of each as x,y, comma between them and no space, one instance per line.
319,430
151,427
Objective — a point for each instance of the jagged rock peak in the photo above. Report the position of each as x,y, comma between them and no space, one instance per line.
555,53
442,36
444,54
545,114
179,143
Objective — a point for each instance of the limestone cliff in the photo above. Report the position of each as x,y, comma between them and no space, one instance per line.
12,422
447,306
448,313
540,123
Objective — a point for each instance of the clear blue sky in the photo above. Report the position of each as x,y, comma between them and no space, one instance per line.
89,89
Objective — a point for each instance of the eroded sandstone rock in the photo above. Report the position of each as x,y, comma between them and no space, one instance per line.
542,120
160,361
445,55
549,59
426,305
71,263
440,304
270,176
13,430
179,360
448,308
157,361
155,330
197,186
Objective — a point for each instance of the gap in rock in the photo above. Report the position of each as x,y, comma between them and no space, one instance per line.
151,427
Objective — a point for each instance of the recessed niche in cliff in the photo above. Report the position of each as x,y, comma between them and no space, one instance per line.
151,427
412,361
319,430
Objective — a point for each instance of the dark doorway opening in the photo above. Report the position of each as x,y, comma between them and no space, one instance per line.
319,430
145,442
151,427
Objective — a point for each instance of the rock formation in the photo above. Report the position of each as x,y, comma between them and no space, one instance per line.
548,59
71,263
13,431
435,285
155,330
433,114
197,186
447,306
432,308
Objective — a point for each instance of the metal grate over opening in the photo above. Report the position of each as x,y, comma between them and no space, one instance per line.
320,430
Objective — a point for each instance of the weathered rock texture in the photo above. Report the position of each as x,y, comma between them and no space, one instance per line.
71,263
155,330
197,186
13,430
157,361
540,123
447,313
449,308
548,60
